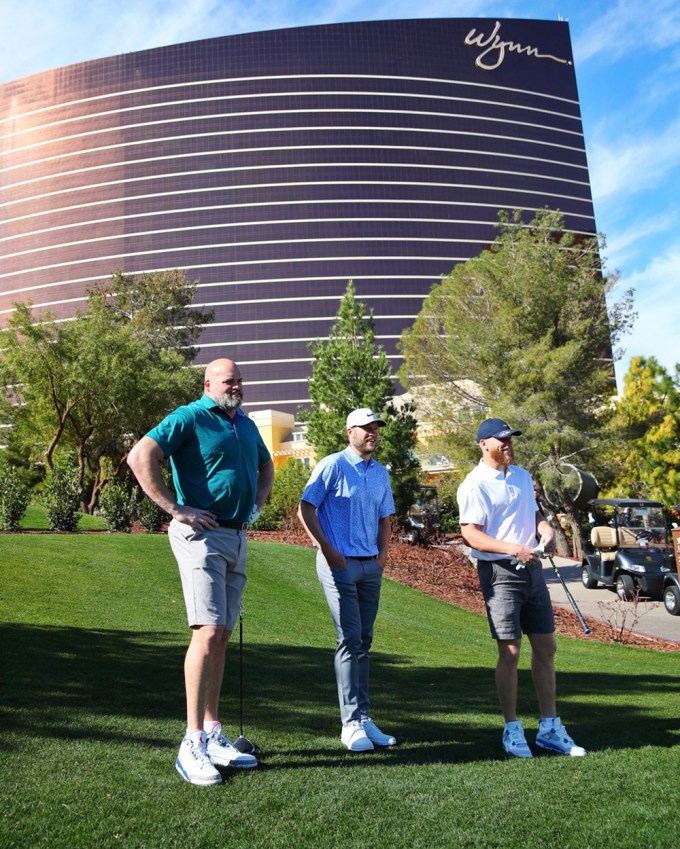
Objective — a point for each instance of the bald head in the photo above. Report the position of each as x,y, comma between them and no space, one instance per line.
222,382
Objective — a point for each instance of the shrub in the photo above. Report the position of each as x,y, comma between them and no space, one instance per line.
62,495
151,517
114,506
289,483
15,496
448,504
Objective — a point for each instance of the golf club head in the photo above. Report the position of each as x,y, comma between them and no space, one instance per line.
243,744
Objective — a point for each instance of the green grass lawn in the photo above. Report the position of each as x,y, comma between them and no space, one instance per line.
35,519
93,640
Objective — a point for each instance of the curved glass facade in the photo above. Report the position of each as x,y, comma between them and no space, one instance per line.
274,167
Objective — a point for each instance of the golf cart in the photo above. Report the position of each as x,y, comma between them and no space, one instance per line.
671,593
423,521
630,550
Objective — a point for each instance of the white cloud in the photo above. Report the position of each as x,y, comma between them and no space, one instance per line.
628,27
640,232
655,332
621,166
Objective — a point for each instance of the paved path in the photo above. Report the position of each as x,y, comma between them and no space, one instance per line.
654,620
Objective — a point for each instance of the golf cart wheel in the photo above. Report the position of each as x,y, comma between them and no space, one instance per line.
625,588
671,600
587,579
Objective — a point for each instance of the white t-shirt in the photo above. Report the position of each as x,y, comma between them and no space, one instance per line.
503,506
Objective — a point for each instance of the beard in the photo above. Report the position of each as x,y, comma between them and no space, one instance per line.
362,443
502,458
228,401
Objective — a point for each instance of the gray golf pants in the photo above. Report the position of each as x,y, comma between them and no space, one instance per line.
353,595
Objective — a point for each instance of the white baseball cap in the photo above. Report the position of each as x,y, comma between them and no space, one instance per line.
363,416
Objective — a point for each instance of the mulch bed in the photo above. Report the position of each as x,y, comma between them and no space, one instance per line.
447,573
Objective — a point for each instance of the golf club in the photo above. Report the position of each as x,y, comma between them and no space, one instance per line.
242,743
539,552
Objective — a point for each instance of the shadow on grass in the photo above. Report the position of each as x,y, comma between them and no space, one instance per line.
57,681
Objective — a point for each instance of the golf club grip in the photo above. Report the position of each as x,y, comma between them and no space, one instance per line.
572,601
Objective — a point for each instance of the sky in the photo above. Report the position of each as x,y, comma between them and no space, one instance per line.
627,61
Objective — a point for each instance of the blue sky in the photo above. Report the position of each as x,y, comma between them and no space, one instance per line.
627,58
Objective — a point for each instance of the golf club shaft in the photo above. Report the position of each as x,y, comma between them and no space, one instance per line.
240,669
572,601
242,744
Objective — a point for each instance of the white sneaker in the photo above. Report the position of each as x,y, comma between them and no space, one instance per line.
355,738
375,735
221,751
193,763
514,741
553,735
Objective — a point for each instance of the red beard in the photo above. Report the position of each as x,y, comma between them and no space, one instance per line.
503,458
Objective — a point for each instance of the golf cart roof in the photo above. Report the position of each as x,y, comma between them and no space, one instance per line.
624,502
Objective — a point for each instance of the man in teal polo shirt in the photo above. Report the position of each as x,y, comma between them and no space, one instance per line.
222,473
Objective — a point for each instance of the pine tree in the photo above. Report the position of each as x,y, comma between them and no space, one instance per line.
350,371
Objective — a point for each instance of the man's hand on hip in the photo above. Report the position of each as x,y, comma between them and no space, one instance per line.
200,520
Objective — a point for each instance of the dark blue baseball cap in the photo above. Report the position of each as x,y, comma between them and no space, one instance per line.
497,428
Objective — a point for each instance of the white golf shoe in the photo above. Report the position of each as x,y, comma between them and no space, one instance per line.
193,763
221,751
355,738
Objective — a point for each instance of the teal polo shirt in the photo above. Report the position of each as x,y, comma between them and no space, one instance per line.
214,458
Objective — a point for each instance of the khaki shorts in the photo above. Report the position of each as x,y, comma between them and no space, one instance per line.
517,600
212,566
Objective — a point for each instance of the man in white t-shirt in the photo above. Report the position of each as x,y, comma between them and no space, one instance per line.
500,521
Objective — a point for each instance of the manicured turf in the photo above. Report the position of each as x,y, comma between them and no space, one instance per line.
35,518
93,638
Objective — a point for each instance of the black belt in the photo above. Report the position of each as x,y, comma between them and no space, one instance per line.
362,559
237,526
507,562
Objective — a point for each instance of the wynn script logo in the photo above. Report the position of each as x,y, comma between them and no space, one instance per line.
494,49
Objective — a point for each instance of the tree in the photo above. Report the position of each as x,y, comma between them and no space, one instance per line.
349,371
156,306
644,434
522,332
98,382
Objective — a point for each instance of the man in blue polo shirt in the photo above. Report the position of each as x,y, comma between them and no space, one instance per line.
222,473
346,509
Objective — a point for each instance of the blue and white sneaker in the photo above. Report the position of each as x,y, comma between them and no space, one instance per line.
193,763
553,735
221,751
375,735
354,736
514,741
